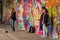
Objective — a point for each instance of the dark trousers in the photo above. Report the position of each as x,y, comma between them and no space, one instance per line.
12,24
41,26
51,29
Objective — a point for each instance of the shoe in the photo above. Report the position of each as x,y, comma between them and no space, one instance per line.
14,30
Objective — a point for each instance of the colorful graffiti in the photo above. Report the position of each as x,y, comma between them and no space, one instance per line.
29,12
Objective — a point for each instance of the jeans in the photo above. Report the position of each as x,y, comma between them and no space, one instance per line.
12,24
44,30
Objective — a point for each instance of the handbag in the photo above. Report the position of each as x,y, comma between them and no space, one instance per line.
40,32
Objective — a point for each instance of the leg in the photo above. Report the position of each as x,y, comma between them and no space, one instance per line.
41,26
46,31
30,29
52,30
12,25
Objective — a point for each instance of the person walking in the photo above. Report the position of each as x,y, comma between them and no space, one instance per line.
13,18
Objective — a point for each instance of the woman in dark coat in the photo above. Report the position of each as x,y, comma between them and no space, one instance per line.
44,18
13,18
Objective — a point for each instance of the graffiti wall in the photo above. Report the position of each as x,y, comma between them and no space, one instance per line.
7,5
29,12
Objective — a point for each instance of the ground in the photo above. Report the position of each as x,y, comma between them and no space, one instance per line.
18,34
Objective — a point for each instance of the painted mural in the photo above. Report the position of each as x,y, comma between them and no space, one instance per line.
29,12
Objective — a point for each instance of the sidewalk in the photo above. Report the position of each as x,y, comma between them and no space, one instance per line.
18,34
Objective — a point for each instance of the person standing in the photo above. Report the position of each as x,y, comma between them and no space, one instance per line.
44,20
13,18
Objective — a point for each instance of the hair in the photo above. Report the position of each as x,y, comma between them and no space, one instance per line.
12,8
45,9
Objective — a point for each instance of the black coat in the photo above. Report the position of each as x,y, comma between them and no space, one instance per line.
46,19
13,16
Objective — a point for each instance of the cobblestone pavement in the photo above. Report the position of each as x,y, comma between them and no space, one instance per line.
18,34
